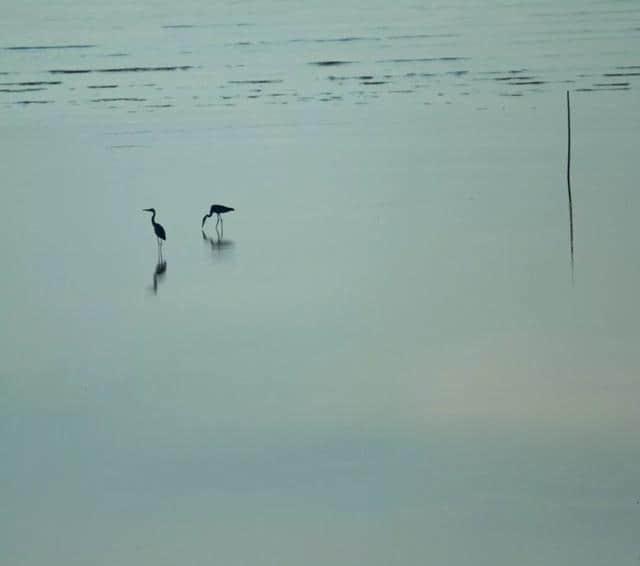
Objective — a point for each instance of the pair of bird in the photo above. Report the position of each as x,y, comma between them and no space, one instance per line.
160,231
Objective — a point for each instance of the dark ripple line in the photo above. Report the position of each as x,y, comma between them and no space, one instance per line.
32,83
512,78
330,63
421,59
120,70
189,26
601,89
511,71
347,78
256,81
335,39
43,47
121,99
21,89
143,69
423,36
69,71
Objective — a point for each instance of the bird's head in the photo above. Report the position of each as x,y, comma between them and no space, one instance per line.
149,209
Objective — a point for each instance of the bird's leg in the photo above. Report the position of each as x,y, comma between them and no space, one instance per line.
218,223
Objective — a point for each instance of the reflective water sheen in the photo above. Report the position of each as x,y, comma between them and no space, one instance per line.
380,357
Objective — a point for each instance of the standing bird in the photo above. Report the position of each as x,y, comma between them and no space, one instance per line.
217,209
157,228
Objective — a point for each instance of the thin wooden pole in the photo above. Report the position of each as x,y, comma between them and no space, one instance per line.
569,186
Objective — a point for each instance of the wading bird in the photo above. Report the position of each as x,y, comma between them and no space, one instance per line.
157,228
217,209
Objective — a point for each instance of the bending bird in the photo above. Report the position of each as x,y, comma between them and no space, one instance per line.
157,228
216,209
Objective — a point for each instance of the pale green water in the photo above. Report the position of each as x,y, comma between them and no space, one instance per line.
387,362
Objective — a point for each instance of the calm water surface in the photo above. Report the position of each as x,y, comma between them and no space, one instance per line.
383,360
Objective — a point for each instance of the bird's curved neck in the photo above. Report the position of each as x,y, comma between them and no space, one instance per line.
153,217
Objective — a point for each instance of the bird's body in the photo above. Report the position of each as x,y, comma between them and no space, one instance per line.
157,228
220,209
216,209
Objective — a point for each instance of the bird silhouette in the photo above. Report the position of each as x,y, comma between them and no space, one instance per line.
157,228
216,209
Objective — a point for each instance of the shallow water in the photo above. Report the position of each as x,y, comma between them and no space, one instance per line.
384,358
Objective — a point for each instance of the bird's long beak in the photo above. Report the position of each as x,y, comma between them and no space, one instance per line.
146,210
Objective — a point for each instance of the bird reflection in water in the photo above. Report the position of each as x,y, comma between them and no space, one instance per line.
217,244
159,273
